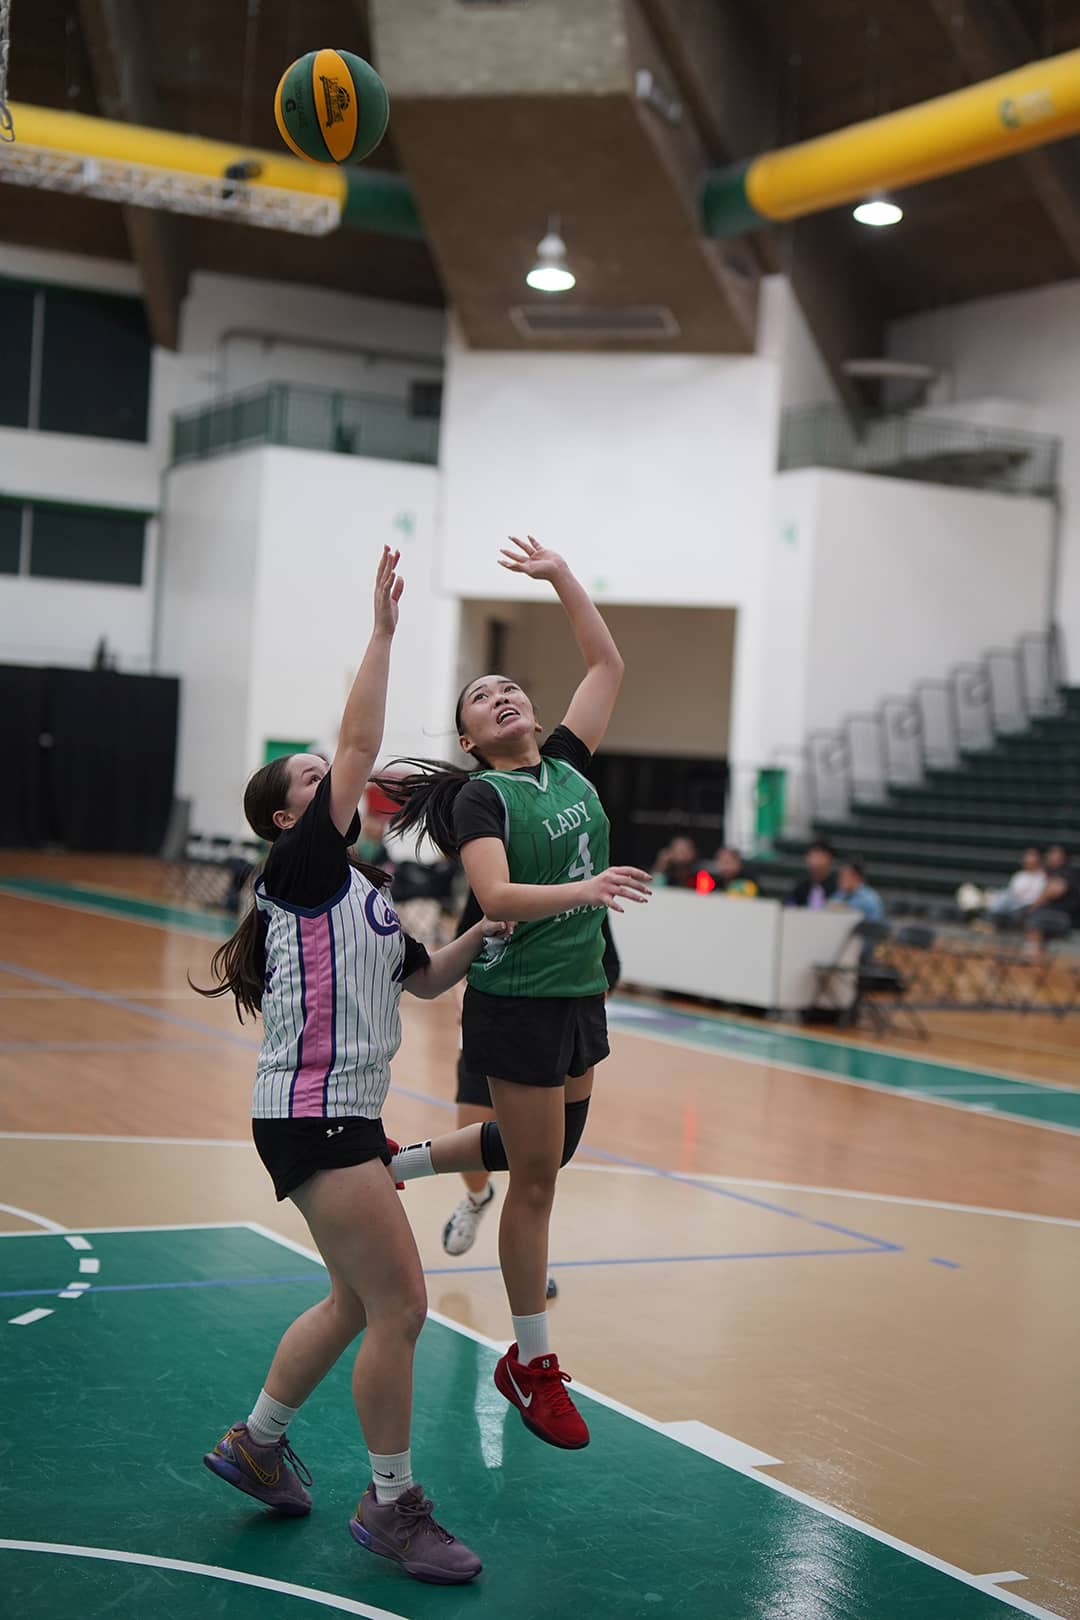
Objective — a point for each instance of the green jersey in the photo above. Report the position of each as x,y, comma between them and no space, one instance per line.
555,831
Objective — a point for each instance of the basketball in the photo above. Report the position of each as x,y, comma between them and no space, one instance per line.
331,107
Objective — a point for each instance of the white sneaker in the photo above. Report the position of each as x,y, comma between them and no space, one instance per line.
459,1233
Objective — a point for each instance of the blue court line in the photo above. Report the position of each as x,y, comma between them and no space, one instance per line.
444,1271
953,1265
160,1015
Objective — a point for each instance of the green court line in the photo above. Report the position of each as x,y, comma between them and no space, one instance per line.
910,1075
919,1078
129,908
128,1390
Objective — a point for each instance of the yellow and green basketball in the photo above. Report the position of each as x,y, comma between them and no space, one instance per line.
331,107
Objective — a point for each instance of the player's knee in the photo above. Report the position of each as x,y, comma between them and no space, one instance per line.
576,1115
412,1314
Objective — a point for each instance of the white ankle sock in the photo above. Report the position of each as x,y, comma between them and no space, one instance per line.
531,1333
392,1474
479,1199
269,1419
410,1163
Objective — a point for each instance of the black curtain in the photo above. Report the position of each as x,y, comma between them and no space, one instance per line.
89,758
23,722
650,798
112,761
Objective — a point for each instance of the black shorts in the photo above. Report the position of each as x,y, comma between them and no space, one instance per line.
472,1085
294,1149
537,1041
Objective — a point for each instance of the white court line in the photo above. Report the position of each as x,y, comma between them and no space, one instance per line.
183,1566
898,1093
90,1267
750,1472
28,1215
70,1293
27,1317
68,995
597,1169
1002,1575
690,1176
78,1243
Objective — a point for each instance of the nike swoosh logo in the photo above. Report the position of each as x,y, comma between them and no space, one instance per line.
526,1400
382,1476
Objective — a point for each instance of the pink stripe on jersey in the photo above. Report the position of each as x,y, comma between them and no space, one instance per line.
318,1047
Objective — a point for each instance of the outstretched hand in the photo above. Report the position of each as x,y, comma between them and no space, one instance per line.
533,559
388,589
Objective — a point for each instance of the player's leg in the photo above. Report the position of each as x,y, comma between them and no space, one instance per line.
362,1232
532,1128
473,1108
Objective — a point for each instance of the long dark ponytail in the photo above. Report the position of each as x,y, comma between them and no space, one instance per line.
427,793
239,966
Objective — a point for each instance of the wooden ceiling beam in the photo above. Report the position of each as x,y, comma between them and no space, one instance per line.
990,37
121,65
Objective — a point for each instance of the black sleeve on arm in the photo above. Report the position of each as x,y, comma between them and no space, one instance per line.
416,956
309,863
478,813
567,745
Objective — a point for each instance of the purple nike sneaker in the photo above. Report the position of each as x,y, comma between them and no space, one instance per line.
405,1532
273,1474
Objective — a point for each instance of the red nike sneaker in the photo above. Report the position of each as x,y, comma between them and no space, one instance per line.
538,1390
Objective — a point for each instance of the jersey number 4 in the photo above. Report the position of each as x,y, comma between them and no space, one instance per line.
583,867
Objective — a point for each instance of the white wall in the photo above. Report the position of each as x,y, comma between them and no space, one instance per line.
208,567
1020,350
652,473
324,520
784,336
879,582
676,694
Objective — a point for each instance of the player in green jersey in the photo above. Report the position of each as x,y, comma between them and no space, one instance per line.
533,838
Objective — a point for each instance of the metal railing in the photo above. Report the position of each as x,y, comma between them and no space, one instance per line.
904,738
934,450
307,419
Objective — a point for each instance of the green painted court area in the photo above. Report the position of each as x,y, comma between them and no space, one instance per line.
111,1400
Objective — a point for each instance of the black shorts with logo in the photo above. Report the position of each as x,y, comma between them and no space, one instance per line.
533,1040
293,1150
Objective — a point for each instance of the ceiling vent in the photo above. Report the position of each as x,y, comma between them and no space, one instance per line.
595,323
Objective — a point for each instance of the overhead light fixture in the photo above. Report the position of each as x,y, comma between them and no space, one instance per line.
879,211
551,273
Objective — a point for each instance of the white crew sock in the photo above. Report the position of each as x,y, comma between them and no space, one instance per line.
479,1200
392,1475
410,1163
531,1333
269,1419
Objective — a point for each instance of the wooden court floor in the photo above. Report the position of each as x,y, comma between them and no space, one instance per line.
851,1274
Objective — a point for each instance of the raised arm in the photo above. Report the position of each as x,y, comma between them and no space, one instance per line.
592,704
362,723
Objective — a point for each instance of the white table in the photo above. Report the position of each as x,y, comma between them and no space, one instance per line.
754,952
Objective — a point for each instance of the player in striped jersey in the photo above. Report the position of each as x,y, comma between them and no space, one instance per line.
533,838
323,957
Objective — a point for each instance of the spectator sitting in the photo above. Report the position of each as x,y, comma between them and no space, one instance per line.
732,877
854,892
1059,898
370,845
817,888
1025,888
677,864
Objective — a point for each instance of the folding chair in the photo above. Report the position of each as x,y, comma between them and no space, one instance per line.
882,988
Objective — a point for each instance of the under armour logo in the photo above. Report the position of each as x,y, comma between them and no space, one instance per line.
335,1130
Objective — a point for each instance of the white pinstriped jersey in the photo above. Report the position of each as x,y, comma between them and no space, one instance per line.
330,1004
